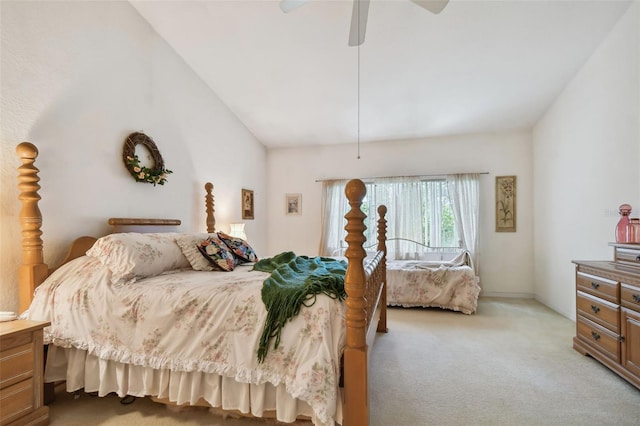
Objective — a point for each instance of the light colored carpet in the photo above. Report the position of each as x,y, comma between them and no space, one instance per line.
511,364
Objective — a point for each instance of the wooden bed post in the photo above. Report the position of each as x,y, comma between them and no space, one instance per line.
33,270
382,246
208,199
356,400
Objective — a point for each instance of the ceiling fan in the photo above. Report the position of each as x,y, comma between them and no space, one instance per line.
360,12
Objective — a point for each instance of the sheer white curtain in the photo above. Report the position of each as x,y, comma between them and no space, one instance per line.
464,191
434,200
404,216
405,213
414,208
334,207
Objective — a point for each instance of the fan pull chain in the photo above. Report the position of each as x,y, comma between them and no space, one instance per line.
358,80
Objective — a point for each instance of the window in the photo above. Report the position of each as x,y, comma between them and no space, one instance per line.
418,209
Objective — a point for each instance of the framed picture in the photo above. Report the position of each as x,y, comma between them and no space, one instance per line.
293,204
247,204
505,204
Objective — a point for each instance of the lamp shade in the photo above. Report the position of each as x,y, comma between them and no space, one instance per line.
237,230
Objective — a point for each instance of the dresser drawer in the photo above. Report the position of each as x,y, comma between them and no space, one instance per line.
599,337
597,286
16,401
630,296
17,364
605,313
627,255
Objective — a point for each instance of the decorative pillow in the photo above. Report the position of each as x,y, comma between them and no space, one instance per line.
134,255
189,245
217,252
240,248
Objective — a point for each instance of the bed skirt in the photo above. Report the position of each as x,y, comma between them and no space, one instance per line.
81,370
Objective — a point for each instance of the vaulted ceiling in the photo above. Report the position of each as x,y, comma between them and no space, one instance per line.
479,66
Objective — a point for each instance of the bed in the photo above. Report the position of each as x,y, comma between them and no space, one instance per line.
448,284
199,349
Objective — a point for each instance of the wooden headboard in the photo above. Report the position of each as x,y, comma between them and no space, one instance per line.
122,224
33,271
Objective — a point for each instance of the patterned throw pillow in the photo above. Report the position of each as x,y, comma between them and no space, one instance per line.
217,252
240,248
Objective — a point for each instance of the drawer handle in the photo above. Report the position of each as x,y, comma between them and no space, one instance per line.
636,297
595,335
638,258
595,285
595,309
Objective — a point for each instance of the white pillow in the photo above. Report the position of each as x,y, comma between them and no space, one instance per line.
133,255
188,243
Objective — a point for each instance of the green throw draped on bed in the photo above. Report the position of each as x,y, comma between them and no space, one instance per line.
294,282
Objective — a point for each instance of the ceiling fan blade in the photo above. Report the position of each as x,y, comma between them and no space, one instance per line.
358,22
288,5
433,6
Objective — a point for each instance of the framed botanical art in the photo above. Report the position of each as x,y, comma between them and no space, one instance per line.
293,204
505,204
247,204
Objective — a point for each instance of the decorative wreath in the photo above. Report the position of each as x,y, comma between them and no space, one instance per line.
157,175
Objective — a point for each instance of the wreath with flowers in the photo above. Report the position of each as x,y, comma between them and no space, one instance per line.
157,174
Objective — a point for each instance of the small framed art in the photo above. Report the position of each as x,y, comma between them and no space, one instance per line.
293,204
247,204
505,204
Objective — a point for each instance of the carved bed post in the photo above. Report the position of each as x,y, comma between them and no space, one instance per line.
382,246
208,199
356,402
33,270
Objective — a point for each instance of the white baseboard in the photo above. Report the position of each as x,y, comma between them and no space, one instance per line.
507,295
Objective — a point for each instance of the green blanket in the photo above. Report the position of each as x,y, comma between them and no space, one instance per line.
295,281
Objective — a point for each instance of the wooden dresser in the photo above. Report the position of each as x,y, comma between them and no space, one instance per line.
608,311
21,373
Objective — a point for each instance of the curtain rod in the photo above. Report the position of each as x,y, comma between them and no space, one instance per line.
407,176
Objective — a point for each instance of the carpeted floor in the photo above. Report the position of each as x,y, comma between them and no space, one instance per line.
511,364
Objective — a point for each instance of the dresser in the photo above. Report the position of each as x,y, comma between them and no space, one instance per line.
608,311
21,373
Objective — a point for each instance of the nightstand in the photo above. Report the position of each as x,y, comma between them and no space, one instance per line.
21,373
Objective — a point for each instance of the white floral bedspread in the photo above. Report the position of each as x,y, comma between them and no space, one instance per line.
194,321
415,283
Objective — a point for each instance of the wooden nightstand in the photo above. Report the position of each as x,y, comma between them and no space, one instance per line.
21,372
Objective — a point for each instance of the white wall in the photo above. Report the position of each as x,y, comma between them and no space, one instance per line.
586,163
506,264
76,79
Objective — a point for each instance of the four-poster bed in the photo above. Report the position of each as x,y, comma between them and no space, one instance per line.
364,309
